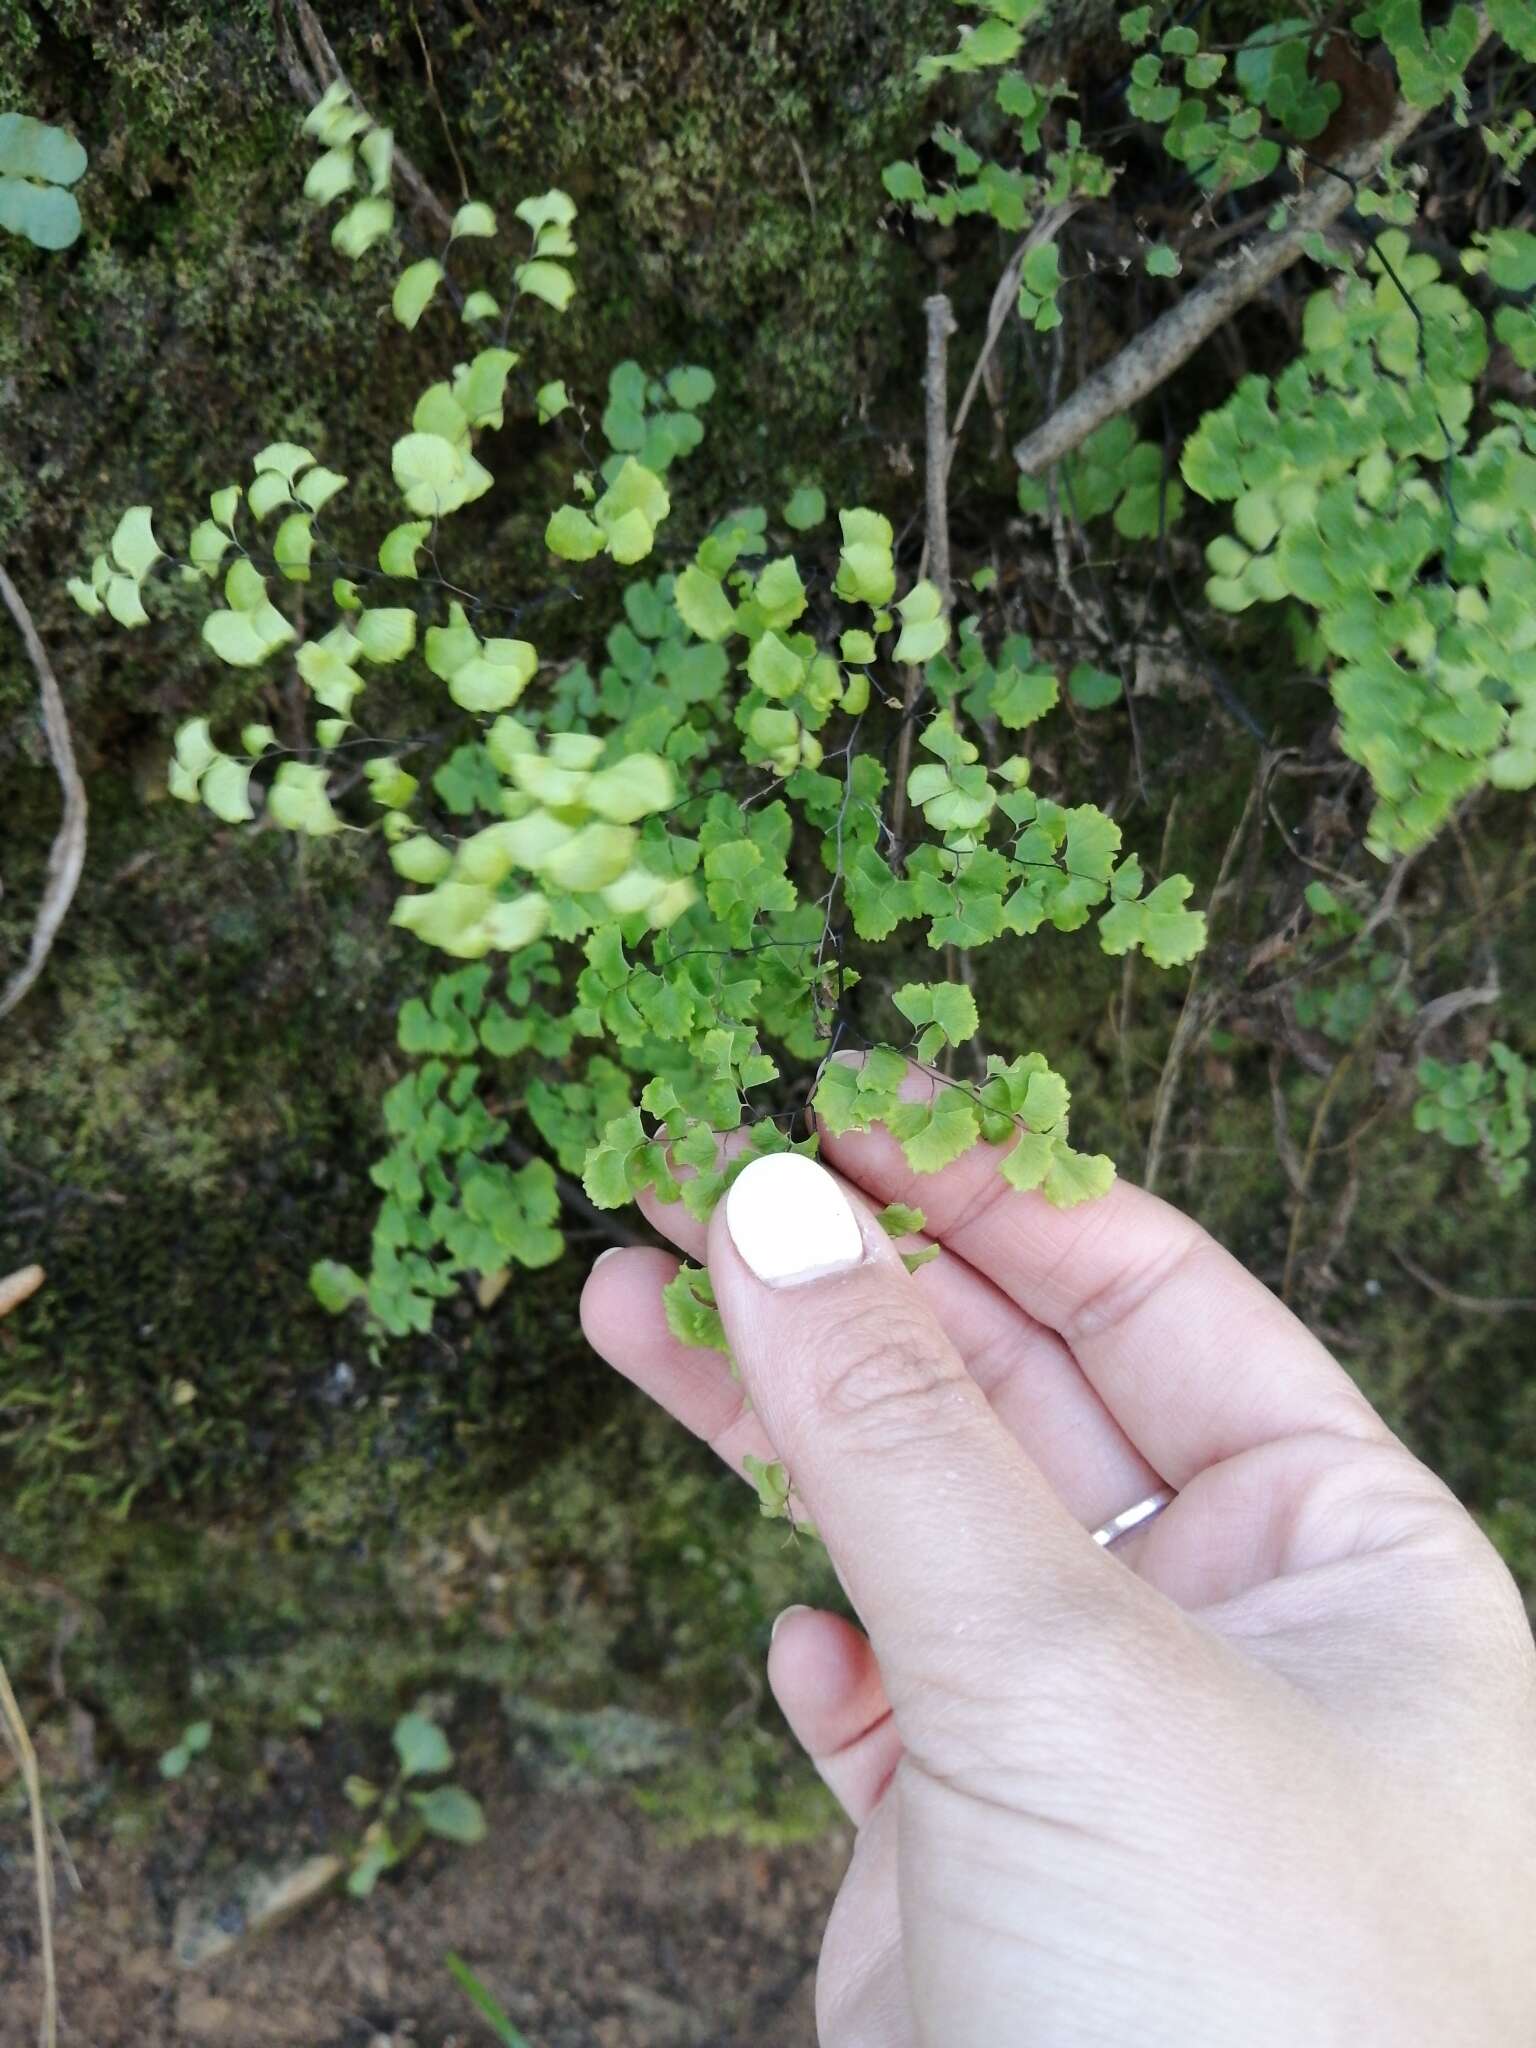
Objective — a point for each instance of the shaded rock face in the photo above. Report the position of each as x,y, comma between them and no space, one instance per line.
189,1101
202,1067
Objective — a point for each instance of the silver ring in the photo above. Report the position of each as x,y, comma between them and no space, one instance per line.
1137,1517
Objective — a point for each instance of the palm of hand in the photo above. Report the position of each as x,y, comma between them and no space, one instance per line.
1271,1550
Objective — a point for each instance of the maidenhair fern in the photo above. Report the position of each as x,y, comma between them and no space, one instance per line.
660,873
38,165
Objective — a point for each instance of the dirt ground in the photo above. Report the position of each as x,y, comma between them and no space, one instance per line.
592,1928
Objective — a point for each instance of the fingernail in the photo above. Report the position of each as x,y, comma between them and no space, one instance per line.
791,1222
611,1253
782,1618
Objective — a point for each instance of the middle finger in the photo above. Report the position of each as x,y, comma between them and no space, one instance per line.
1027,1373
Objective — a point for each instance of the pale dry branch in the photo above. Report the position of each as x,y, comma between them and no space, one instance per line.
324,68
1170,341
66,858
18,1287
19,1742
1004,298
941,325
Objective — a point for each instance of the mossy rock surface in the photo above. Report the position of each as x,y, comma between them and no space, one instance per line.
198,1078
189,1101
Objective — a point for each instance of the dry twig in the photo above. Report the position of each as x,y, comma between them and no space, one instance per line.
20,1745
324,69
1478,1304
1154,356
16,1287
1314,1140
941,325
1198,1009
1004,300
67,857
1441,1009
935,562
442,112
19,1742
1285,1144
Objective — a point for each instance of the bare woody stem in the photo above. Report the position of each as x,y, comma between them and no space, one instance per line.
67,856
1004,301
14,1730
324,68
935,563
1171,341
941,325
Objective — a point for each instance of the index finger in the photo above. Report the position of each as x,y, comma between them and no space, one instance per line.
1194,1357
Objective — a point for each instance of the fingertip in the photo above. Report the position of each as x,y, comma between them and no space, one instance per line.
827,1682
823,1673
623,1288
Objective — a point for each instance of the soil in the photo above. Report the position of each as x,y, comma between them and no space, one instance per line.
590,1924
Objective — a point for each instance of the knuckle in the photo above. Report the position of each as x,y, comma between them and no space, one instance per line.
887,1381
1111,1306
1485,1604
736,1420
1376,1496
1041,1691
1377,1500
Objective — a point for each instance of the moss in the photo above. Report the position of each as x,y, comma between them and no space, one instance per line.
116,1082
712,155
631,1552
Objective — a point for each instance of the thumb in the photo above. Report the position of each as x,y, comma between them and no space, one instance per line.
950,1543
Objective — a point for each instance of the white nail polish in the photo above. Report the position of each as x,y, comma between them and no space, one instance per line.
791,1222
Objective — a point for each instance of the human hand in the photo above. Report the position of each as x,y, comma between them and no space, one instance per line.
1260,1776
